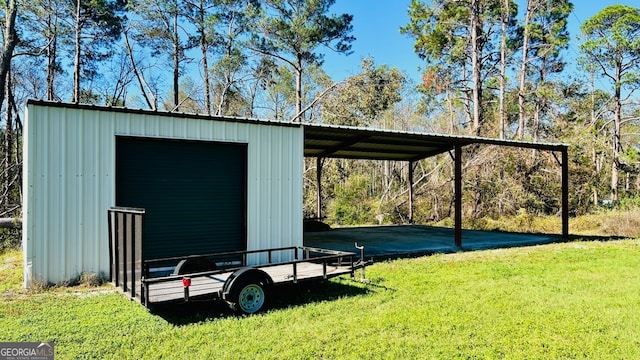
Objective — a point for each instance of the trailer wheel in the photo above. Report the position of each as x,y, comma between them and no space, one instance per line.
251,298
247,291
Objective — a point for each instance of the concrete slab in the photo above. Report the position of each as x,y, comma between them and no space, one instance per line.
412,240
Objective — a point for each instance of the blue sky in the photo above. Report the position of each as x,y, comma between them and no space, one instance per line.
376,26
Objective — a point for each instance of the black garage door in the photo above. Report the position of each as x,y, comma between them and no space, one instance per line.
194,193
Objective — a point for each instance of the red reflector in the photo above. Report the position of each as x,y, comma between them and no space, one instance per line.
186,282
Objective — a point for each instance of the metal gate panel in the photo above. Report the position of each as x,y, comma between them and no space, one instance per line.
125,249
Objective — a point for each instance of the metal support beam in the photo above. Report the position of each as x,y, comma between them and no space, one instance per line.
410,180
319,187
458,194
565,193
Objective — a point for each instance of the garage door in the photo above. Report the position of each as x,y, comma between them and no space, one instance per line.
194,193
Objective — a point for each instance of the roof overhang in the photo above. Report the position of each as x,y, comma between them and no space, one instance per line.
326,141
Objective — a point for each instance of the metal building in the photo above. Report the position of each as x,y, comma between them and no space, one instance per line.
208,183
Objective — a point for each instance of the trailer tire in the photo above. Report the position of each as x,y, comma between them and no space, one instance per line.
247,291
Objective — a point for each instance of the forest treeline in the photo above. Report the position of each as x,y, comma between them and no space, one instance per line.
493,68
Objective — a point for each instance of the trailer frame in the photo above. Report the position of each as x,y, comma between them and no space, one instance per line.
243,279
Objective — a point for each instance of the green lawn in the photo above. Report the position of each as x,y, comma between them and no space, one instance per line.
560,301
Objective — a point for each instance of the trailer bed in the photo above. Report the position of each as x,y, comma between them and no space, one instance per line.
242,279
308,263
204,286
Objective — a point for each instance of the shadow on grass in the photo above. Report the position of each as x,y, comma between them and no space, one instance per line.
554,239
601,238
493,245
282,297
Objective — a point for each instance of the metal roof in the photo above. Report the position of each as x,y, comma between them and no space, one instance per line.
334,141
360,143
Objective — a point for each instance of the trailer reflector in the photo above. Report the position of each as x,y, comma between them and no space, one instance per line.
186,282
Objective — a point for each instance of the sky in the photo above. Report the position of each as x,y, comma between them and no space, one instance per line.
376,26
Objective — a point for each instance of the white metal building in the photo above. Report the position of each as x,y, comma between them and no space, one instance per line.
209,184
81,160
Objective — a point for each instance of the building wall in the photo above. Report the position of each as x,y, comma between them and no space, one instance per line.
69,181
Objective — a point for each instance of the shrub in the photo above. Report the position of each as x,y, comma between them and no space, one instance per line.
629,203
352,204
622,223
10,239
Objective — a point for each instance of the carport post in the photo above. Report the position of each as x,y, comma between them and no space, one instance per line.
565,193
458,194
410,179
319,187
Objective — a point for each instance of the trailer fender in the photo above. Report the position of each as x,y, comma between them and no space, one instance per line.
247,290
194,265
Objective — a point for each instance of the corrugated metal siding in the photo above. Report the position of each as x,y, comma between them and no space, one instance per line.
69,182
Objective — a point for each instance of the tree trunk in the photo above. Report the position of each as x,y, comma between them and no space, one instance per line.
51,68
298,73
596,171
503,70
76,60
617,143
594,154
7,164
223,106
10,41
176,62
627,182
207,86
452,125
204,45
540,101
523,73
536,121
148,95
52,47
476,65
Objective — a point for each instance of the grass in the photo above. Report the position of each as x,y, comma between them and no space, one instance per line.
611,222
560,301
10,271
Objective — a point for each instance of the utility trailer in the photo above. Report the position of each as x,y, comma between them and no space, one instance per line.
243,279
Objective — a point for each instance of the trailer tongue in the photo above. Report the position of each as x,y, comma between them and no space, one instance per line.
243,279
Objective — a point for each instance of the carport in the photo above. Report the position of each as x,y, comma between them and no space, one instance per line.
323,141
